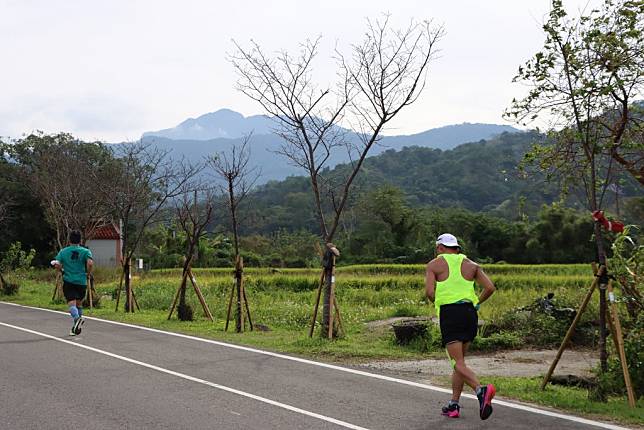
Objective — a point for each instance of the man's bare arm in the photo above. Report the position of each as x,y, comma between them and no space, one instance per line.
89,266
484,281
430,283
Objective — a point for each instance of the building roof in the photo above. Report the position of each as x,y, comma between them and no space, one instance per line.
108,232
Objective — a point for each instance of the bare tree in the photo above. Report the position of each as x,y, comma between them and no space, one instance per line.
194,212
63,172
383,75
145,181
238,179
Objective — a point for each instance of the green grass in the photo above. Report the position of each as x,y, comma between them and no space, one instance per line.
283,301
569,399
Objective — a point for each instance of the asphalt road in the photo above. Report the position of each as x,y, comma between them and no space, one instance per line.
115,376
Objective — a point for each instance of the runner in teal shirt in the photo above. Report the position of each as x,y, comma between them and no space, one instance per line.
75,261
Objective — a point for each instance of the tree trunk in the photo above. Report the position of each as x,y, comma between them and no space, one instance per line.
603,308
239,316
129,305
184,278
328,327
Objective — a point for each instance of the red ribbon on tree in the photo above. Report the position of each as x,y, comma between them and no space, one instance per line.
614,226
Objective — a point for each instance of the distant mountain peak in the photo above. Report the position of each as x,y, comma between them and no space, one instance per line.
223,123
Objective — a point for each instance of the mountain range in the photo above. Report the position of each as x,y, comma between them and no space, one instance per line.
196,138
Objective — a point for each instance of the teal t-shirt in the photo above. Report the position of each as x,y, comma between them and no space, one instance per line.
74,261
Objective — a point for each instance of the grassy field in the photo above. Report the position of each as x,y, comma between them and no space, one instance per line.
282,300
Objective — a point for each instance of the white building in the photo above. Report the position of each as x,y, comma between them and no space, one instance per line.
105,245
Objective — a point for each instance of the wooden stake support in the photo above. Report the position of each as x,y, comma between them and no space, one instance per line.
118,291
58,287
317,304
90,290
614,325
238,290
131,296
620,344
187,274
328,277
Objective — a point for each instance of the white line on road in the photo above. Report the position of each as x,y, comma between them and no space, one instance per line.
193,379
346,369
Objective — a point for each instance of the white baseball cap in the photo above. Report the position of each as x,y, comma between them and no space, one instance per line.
447,239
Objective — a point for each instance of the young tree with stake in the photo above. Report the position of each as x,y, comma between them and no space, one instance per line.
584,82
145,181
193,215
383,75
238,179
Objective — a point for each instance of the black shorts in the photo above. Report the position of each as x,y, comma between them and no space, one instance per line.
459,322
74,291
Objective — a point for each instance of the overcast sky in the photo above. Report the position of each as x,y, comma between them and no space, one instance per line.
112,69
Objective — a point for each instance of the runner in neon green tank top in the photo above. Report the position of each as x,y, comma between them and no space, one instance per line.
449,283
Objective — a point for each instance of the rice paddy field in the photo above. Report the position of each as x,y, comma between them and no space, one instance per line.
282,300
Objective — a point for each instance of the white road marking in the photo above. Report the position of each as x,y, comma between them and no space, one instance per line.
346,369
193,379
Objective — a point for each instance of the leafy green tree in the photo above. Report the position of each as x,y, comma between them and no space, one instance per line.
387,225
584,82
63,172
24,218
587,79
561,235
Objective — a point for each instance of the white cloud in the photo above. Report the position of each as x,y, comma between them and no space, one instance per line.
111,70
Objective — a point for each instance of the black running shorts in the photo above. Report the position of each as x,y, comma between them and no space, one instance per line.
74,291
459,322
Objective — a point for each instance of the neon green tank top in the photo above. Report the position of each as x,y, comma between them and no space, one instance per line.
455,288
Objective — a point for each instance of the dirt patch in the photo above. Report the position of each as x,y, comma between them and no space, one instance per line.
524,363
520,363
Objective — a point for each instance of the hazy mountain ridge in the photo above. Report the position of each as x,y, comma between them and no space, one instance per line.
196,138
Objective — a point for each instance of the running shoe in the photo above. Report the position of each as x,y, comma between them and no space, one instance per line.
485,397
452,410
71,332
78,322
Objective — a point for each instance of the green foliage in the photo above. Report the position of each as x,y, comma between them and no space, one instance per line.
567,398
404,311
497,341
25,219
430,341
8,287
584,81
395,233
15,258
627,266
532,325
612,381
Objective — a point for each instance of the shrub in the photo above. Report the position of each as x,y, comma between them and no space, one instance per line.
612,381
428,342
8,288
501,340
16,259
404,311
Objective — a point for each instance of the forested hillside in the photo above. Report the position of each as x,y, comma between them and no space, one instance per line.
481,176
